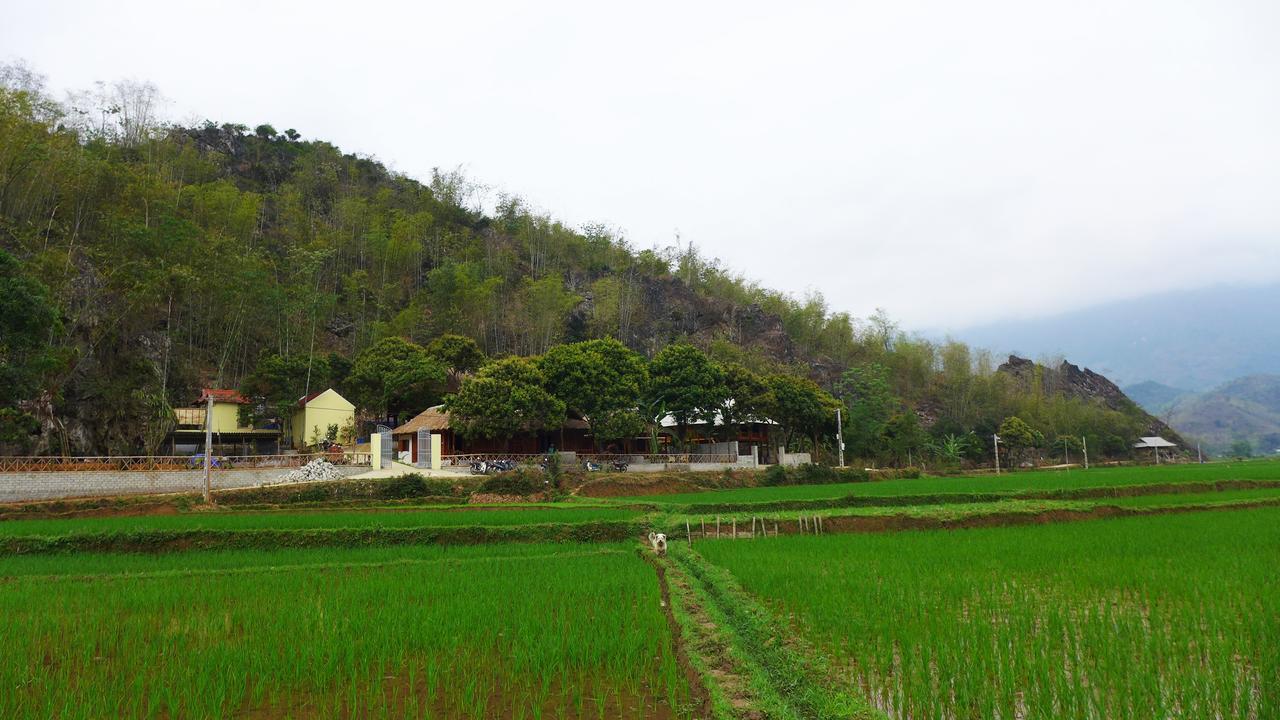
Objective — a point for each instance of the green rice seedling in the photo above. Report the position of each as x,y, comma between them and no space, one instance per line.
465,632
1007,482
1162,616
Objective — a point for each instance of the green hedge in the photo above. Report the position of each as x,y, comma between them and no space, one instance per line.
404,487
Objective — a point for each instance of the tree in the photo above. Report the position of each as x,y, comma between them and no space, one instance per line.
600,380
800,406
953,448
903,436
28,320
747,398
870,404
277,384
505,398
688,384
394,376
1242,448
460,354
1067,444
1018,437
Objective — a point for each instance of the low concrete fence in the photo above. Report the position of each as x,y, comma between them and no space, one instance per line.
29,479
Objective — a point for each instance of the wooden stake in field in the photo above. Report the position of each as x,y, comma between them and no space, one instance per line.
735,528
704,528
717,527
775,528
687,533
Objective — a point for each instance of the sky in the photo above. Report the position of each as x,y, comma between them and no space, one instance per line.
952,163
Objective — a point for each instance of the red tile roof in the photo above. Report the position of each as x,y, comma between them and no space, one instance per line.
221,395
302,402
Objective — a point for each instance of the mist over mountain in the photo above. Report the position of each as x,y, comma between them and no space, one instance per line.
1190,339
1246,409
1155,397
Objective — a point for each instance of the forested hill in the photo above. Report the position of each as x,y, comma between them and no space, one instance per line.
150,260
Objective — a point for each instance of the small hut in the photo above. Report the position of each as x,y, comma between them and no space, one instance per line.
1154,442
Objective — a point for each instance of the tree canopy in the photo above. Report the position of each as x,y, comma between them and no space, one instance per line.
688,384
505,398
600,380
395,376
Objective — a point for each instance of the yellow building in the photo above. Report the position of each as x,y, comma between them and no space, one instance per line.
317,413
229,435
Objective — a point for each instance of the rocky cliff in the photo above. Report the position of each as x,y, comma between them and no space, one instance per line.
1084,384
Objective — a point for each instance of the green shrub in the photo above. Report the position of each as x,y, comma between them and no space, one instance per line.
413,485
813,474
516,482
850,474
774,475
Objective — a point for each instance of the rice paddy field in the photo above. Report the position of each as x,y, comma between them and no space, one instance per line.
1168,616
1007,482
352,613
496,631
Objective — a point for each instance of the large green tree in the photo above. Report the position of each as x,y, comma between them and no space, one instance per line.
801,407
869,405
459,354
747,398
28,322
1018,438
688,384
277,384
505,398
600,380
395,377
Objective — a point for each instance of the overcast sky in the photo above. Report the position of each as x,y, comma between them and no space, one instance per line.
954,163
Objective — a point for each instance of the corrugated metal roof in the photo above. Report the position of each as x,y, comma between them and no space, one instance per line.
1155,441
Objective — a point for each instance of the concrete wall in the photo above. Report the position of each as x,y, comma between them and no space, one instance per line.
226,419
327,408
795,459
20,487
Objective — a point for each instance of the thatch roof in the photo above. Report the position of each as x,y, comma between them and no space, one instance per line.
435,419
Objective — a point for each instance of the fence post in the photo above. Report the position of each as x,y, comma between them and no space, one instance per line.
688,535
208,449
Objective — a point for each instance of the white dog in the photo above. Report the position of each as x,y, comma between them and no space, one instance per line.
659,543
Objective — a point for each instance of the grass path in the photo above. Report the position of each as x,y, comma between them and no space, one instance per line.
750,667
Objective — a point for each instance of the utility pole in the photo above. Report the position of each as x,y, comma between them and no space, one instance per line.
1199,455
208,447
840,436
1084,441
995,441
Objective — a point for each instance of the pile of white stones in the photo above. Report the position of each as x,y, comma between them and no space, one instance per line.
318,469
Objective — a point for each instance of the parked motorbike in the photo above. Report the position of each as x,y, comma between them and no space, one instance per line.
619,465
498,466
592,466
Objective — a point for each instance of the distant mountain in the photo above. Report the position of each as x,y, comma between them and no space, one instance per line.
1155,397
1194,339
1243,409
